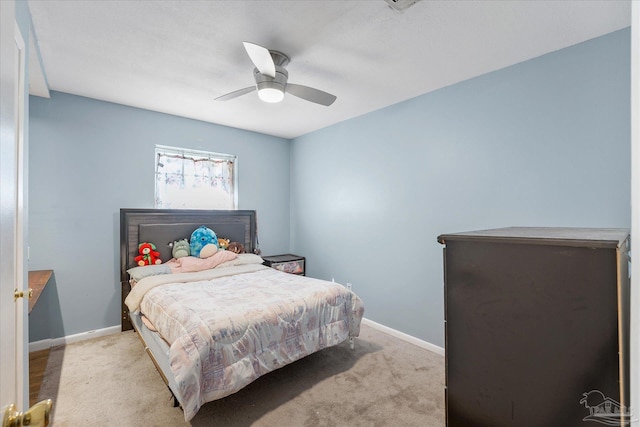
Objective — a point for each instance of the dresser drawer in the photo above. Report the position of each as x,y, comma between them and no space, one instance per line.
288,263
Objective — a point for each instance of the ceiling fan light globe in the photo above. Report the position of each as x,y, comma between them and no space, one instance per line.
271,95
270,92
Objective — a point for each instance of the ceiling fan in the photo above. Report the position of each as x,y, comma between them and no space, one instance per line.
271,79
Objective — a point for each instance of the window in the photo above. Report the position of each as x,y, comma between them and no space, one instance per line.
190,179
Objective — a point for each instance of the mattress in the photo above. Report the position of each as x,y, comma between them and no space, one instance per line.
227,327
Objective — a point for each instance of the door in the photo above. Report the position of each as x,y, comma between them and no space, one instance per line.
12,342
14,369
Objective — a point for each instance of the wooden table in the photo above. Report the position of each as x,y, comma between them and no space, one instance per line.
38,279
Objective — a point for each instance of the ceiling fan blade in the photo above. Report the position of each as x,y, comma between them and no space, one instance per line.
310,94
261,58
236,93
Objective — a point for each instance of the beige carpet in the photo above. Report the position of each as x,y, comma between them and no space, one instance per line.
384,381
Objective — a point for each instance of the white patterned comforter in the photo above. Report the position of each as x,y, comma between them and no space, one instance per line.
227,331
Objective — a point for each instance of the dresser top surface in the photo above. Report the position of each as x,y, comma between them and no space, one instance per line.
590,237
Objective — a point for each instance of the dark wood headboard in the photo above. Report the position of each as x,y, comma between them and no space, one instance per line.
163,226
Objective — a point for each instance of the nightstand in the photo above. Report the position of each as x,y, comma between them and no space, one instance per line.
288,263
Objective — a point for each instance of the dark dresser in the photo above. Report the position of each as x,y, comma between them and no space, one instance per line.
536,327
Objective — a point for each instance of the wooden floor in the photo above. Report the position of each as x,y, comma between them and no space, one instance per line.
37,365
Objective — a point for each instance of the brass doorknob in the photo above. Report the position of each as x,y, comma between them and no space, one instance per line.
22,294
39,415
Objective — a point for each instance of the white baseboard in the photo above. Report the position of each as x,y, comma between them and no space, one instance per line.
405,337
54,342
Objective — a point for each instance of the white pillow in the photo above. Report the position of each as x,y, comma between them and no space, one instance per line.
139,273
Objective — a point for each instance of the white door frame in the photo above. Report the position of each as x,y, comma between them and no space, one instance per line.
22,305
634,402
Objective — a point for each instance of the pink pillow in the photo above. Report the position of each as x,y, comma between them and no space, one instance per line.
189,264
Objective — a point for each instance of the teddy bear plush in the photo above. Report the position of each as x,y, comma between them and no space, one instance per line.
236,247
147,254
223,243
180,248
204,242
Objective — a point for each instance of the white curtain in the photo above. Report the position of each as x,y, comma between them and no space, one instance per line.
194,180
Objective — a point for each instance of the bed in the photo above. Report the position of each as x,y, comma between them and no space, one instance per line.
213,326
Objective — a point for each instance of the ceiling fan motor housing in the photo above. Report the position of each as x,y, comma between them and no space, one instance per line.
264,82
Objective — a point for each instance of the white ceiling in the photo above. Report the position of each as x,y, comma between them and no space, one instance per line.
177,56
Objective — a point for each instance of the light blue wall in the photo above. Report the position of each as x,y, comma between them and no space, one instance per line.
90,158
542,143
